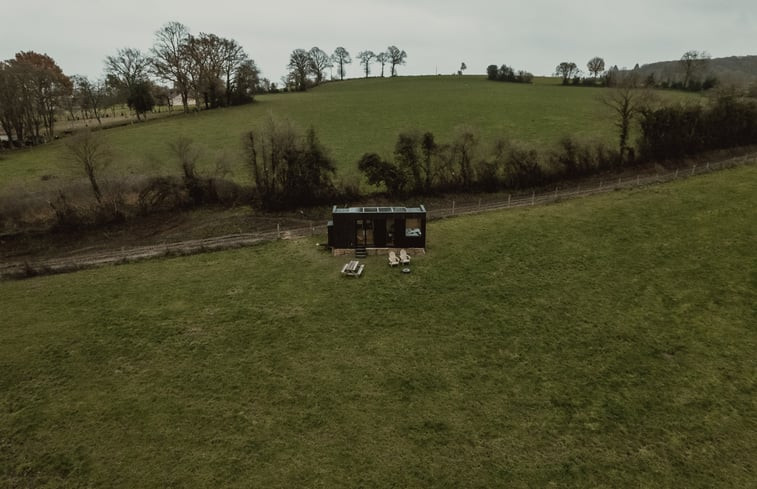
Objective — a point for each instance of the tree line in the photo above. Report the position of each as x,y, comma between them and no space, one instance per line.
691,74
307,67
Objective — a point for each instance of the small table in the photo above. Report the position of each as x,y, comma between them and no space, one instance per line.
352,269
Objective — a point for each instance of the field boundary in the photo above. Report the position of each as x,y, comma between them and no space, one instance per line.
82,260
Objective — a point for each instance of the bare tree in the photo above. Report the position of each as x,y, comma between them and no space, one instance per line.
396,57
319,61
596,65
171,61
299,66
232,59
91,95
693,64
341,57
626,101
365,58
90,150
382,58
129,66
566,70
207,53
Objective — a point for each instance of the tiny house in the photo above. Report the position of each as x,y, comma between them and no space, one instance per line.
377,228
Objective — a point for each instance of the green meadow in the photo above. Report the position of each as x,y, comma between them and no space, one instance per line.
601,342
351,118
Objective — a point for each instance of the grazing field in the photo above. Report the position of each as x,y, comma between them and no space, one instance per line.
601,342
351,118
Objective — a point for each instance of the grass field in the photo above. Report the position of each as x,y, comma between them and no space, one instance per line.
601,342
351,118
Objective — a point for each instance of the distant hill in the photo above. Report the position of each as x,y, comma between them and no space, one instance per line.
733,69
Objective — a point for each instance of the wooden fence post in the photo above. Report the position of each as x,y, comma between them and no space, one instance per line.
278,231
453,207
693,169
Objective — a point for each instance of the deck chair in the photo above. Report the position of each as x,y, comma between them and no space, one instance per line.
393,260
404,257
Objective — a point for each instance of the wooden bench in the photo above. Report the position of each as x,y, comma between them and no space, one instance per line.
352,269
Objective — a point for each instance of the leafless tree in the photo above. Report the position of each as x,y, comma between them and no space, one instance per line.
365,58
171,61
693,64
91,96
129,66
319,61
627,101
341,57
566,70
596,65
90,150
382,58
396,57
299,66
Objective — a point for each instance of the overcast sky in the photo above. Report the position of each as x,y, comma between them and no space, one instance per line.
436,34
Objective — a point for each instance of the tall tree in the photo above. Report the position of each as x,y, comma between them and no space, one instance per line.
341,57
232,58
33,87
246,81
566,70
626,101
693,64
319,61
382,58
171,61
396,57
365,58
299,68
207,52
129,66
596,65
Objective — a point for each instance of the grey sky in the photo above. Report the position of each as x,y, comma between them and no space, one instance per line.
437,34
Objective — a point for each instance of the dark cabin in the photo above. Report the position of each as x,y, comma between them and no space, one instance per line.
377,228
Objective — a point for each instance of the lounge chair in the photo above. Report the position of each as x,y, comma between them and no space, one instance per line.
393,260
404,257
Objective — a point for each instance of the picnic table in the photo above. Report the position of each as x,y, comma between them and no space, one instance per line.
352,269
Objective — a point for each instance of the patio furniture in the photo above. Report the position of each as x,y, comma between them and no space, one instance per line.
352,269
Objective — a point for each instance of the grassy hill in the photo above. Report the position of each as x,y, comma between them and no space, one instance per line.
351,118
602,342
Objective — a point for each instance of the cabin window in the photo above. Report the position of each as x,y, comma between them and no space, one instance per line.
413,227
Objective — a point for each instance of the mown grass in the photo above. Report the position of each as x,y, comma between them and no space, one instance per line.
601,342
351,118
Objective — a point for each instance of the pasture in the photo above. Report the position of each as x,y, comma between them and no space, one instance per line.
351,118
601,342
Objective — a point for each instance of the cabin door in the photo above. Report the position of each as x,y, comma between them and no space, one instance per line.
364,232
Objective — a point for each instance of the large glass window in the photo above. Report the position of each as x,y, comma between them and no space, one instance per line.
413,227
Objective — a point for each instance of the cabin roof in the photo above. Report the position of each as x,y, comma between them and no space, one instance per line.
379,210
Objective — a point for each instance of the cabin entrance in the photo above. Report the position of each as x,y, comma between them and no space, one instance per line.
364,232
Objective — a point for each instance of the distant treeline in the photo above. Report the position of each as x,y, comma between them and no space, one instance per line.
505,73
